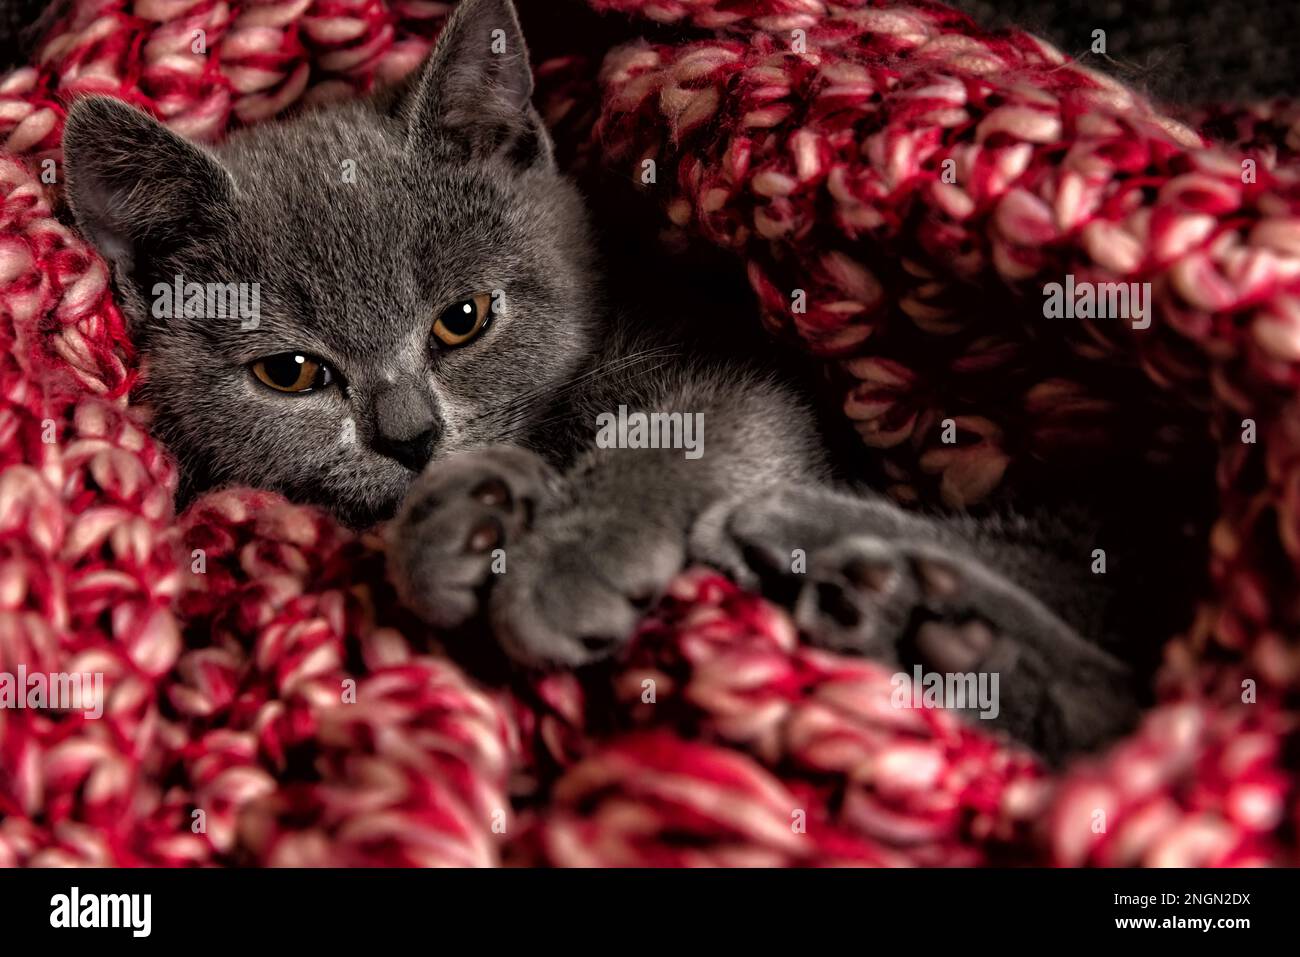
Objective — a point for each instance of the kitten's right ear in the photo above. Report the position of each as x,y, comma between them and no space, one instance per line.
136,188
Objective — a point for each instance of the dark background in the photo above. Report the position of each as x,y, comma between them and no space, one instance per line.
1178,51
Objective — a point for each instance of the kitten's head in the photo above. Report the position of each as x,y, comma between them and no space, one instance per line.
375,286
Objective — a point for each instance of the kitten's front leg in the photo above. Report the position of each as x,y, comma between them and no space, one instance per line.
578,584
563,566
860,574
614,534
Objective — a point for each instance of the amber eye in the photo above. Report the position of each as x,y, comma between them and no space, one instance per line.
292,372
462,321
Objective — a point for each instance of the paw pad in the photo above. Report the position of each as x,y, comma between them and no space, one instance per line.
938,580
874,575
484,536
493,493
952,647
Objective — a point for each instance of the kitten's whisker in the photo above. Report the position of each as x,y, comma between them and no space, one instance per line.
523,403
520,415
521,424
607,369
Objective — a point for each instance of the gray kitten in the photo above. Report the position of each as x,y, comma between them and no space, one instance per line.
430,340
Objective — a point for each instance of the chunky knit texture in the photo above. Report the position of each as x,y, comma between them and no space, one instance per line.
259,671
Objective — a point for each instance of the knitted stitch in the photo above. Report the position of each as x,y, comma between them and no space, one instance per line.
267,701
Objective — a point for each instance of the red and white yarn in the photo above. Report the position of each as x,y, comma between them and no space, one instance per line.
279,708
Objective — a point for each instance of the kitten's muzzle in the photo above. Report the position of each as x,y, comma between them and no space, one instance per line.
406,425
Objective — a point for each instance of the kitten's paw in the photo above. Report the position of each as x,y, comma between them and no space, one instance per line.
451,535
845,582
863,576
577,586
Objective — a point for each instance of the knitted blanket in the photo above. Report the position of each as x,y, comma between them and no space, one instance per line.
920,179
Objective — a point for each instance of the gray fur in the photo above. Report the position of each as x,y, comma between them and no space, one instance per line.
456,193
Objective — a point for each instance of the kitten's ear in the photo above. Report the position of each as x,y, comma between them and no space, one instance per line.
473,94
137,189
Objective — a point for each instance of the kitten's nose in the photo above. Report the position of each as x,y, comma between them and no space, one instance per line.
414,452
406,425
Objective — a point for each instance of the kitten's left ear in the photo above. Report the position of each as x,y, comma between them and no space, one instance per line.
473,94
